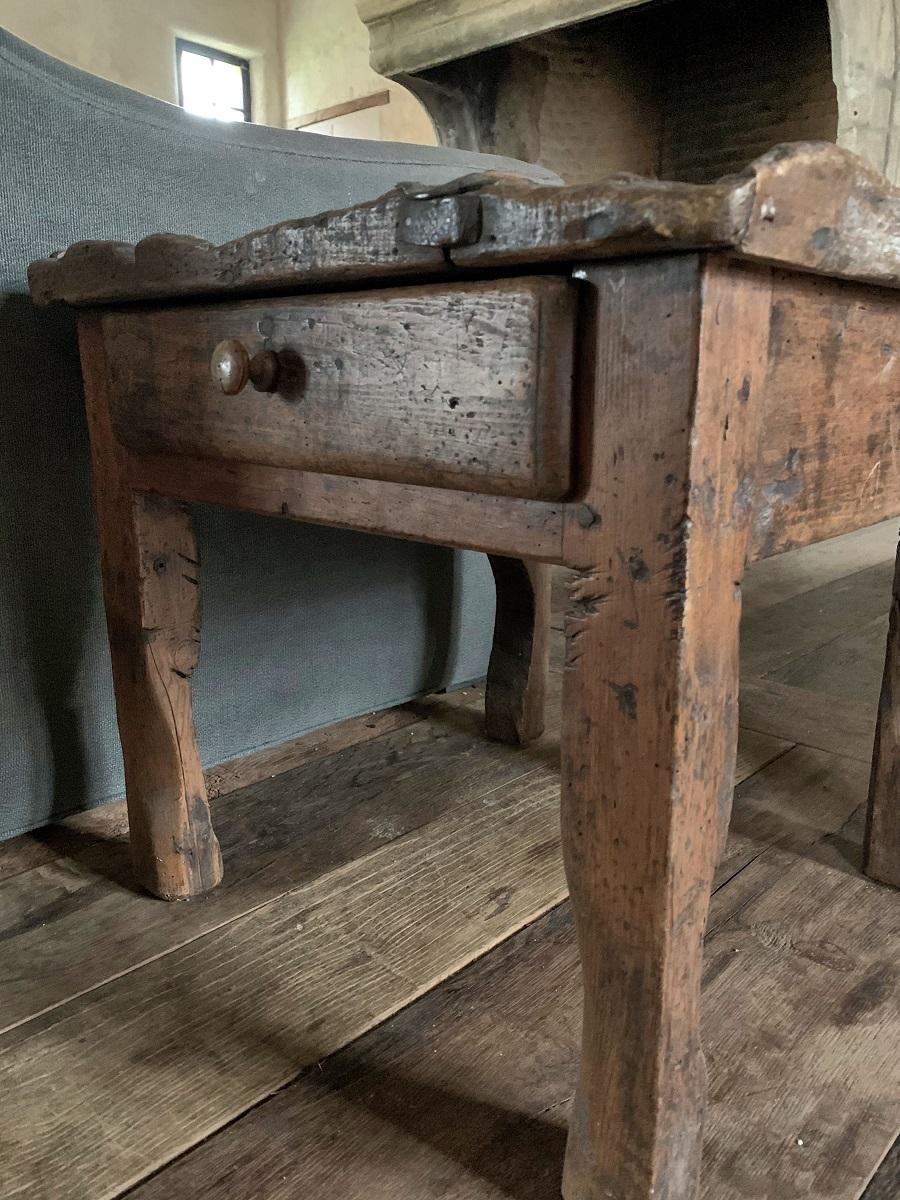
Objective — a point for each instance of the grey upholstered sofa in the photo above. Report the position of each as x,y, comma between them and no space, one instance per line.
303,626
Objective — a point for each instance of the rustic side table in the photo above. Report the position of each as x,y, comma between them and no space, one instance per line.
647,382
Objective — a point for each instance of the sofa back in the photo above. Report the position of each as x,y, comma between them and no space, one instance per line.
302,625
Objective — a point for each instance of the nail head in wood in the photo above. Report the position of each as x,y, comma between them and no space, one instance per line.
586,517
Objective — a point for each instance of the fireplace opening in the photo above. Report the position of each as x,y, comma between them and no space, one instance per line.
678,89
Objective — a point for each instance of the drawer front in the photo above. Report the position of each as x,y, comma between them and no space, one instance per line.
462,385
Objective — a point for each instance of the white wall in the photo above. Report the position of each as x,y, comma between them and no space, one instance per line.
133,41
325,49
305,55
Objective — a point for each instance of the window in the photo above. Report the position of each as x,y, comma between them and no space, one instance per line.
212,83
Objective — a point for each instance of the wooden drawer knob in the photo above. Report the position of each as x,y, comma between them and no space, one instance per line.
232,367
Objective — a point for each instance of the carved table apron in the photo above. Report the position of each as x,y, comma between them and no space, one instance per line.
647,382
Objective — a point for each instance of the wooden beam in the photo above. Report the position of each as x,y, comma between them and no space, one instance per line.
529,529
344,109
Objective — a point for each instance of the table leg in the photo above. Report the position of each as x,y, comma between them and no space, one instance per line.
151,589
882,843
650,683
517,672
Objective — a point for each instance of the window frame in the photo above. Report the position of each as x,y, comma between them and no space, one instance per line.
184,44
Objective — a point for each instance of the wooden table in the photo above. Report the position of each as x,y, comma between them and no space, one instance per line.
647,382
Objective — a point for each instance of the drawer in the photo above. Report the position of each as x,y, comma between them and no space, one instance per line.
463,385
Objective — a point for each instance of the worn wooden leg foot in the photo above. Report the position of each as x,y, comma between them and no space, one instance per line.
882,843
151,590
153,612
517,672
649,690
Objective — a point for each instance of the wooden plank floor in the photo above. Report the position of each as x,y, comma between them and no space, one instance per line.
321,1027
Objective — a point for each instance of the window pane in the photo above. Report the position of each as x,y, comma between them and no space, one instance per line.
228,85
211,88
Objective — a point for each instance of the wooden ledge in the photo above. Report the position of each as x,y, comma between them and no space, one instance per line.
805,206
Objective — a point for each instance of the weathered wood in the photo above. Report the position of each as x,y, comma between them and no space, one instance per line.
841,725
882,844
288,832
265,996
795,804
101,827
151,589
671,378
867,99
467,1091
650,699
69,925
850,665
496,524
521,222
776,635
808,206
800,989
517,672
772,580
277,836
830,344
466,386
227,777
829,458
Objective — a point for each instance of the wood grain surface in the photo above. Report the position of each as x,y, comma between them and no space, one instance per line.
150,567
650,698
830,456
504,525
468,1092
520,653
72,929
467,386
808,206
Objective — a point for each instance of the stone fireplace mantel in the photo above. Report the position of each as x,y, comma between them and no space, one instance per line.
409,37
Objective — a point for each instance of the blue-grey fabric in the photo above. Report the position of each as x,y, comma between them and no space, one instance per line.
302,625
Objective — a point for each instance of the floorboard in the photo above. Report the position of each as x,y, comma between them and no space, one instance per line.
70,925
110,821
466,1093
842,724
780,633
148,1047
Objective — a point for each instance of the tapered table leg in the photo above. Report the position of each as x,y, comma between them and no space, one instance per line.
649,693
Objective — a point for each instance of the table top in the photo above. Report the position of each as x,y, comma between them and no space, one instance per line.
810,207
